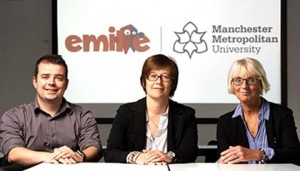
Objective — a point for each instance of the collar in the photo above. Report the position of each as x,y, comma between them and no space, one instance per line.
64,108
163,114
264,111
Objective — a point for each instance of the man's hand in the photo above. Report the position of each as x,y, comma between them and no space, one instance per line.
66,155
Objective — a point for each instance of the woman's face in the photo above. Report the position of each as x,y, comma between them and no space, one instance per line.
247,88
158,83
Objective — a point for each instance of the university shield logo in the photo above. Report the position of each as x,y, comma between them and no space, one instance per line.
190,40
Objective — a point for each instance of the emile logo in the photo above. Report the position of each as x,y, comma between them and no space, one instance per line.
120,40
190,40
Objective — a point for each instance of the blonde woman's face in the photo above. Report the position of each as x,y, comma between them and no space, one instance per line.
246,92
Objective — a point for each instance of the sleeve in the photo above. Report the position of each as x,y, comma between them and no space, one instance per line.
11,134
89,134
223,140
269,152
287,146
117,145
188,147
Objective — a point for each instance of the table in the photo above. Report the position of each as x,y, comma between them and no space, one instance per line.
172,167
96,167
209,151
233,167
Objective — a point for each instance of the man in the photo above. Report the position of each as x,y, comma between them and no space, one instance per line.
49,129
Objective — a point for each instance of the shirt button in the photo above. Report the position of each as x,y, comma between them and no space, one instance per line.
46,144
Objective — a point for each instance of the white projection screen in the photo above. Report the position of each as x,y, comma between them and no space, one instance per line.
106,42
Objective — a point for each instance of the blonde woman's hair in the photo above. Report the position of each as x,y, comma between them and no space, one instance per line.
248,66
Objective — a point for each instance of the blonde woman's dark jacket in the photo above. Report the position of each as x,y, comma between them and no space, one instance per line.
281,134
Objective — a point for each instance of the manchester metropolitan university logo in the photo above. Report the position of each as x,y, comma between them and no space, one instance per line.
190,40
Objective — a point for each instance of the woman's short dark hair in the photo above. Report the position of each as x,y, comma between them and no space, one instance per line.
160,61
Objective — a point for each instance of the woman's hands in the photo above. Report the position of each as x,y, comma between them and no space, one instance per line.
237,154
154,157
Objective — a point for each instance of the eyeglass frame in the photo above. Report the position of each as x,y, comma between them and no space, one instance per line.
160,76
245,79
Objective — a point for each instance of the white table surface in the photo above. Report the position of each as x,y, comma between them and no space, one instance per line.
96,167
173,167
233,167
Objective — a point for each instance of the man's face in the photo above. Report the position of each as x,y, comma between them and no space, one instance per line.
50,82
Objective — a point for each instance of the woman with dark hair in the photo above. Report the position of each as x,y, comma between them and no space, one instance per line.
154,129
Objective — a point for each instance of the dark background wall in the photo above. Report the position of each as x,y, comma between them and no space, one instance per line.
25,35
